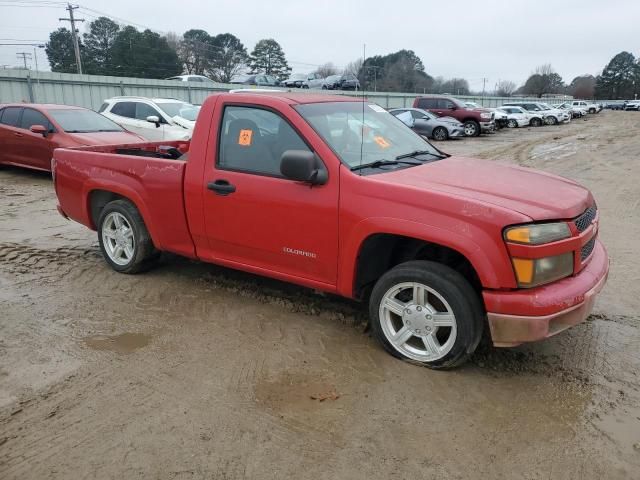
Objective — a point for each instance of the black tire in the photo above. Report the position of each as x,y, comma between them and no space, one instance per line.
592,110
145,255
440,133
471,128
305,86
324,87
458,293
551,120
535,122
512,123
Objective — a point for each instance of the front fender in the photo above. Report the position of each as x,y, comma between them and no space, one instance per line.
488,257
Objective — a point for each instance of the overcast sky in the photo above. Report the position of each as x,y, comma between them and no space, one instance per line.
493,39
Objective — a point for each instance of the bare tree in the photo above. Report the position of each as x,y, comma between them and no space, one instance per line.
354,67
505,88
327,70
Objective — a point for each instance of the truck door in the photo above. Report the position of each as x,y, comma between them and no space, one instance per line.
256,217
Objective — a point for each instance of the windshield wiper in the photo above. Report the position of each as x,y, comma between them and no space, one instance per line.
419,152
382,163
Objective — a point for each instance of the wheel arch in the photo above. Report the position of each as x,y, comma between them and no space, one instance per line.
98,198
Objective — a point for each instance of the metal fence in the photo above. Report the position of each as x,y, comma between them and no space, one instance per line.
89,91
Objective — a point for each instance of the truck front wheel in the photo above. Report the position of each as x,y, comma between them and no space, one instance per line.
124,240
426,313
471,128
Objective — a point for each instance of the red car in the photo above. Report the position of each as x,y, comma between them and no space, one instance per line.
337,195
30,132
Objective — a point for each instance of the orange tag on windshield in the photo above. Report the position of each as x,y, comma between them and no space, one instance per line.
244,138
382,142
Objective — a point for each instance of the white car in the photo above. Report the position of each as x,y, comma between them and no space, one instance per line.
635,105
517,116
155,119
576,111
554,116
589,106
192,78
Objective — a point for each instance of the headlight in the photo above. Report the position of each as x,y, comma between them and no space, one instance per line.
485,115
534,272
538,234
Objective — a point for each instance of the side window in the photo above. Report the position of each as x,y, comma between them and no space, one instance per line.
143,111
11,116
427,103
445,104
103,107
33,117
253,140
416,115
124,109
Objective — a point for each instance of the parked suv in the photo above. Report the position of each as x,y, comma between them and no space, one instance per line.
475,120
156,119
589,106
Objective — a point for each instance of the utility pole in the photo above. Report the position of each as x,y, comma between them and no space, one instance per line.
484,82
74,33
24,56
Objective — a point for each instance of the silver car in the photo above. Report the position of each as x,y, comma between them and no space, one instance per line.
427,124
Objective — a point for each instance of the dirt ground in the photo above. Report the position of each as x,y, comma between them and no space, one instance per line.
194,371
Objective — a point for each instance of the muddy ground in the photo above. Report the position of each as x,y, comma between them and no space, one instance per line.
193,371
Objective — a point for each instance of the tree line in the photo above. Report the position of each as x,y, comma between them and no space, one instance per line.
107,48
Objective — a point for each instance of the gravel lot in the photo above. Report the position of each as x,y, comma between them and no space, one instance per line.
194,371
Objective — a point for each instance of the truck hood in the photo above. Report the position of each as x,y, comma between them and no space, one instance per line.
106,138
538,195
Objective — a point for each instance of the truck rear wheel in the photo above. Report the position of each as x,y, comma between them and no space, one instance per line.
124,239
426,313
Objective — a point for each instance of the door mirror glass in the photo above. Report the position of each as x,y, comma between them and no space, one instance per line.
39,129
303,166
154,119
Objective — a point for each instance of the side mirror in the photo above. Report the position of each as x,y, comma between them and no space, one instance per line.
303,166
453,107
40,129
154,119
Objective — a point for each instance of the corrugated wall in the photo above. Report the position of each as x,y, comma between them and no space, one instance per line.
90,90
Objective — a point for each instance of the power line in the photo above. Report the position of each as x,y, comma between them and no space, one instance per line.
74,33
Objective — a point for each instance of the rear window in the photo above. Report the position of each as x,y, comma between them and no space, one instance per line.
10,116
124,109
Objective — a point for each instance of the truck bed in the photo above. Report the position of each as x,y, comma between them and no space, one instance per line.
151,175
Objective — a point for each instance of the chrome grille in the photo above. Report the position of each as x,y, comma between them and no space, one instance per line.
583,221
587,249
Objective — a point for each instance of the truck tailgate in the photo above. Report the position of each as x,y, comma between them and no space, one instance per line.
154,185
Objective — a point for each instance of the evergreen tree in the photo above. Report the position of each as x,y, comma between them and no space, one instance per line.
60,52
267,57
99,44
620,78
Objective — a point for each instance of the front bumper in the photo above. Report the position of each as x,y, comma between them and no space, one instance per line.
456,132
487,126
528,315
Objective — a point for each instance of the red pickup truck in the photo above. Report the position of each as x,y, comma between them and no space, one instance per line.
338,195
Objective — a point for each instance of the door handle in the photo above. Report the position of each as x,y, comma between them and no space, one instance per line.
221,187
16,134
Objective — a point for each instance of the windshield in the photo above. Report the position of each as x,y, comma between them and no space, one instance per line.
333,77
379,137
472,104
429,115
298,76
180,109
544,106
83,121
